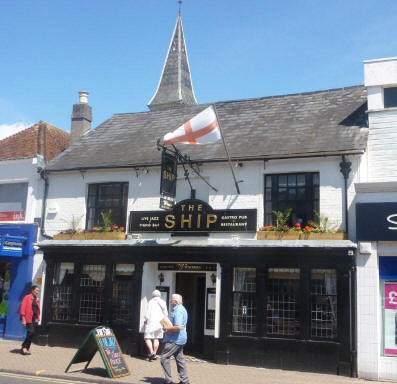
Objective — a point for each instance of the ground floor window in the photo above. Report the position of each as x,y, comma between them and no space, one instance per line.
87,290
275,302
324,319
62,291
283,301
122,292
244,303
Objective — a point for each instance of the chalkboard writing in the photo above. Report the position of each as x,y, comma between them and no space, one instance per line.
112,356
102,339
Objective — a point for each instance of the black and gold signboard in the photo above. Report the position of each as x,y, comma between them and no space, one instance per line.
194,215
195,267
168,180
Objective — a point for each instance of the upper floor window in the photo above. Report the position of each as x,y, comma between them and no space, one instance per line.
390,97
298,191
108,198
13,201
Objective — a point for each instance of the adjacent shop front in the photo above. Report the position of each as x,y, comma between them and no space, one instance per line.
268,303
16,267
381,230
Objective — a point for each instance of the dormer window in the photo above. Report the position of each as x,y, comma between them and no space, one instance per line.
390,97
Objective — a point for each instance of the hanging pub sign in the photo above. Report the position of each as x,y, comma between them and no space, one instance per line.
168,180
192,215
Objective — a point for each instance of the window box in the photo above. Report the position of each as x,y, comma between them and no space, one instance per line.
91,236
278,235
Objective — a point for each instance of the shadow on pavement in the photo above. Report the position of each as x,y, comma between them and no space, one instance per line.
16,350
95,372
153,380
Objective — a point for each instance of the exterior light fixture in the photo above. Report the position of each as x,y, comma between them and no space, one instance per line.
213,278
161,278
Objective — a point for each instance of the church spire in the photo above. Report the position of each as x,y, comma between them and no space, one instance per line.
175,86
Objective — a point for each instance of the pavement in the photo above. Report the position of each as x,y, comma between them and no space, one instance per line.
52,361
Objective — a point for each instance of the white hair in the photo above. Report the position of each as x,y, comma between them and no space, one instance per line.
156,293
177,298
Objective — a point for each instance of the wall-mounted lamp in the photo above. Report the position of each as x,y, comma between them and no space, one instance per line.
161,278
213,278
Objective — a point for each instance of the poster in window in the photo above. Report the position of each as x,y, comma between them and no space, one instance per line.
390,319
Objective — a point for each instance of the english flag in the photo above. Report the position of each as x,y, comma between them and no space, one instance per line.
201,129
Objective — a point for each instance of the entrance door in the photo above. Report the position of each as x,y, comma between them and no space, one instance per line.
192,288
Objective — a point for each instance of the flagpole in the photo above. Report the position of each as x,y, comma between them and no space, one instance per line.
227,152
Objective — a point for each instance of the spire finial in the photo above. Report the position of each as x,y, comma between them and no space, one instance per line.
180,5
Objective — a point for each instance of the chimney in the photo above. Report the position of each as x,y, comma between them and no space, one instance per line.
81,118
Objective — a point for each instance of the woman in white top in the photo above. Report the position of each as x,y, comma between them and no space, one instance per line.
153,331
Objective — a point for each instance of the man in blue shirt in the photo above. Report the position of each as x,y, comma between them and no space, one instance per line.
174,340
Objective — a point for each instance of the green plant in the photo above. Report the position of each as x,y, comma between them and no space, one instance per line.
73,224
107,220
283,219
324,224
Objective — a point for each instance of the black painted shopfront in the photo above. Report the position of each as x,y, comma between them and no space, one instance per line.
287,307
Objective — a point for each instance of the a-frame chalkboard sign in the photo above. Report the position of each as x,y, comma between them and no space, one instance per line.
102,339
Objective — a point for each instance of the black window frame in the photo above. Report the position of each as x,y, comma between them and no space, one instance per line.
93,191
304,300
271,196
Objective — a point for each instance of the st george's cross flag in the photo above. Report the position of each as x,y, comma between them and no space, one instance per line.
201,129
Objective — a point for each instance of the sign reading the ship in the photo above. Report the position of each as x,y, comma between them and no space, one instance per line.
194,215
168,180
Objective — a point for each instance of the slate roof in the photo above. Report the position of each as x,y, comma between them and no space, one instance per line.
175,86
323,122
40,139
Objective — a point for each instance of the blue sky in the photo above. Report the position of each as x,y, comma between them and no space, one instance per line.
51,49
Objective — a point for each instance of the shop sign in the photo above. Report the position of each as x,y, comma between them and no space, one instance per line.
168,180
390,319
12,245
194,215
376,221
12,216
186,267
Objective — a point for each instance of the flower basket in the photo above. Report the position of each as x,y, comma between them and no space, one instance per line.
277,235
115,235
294,235
105,236
323,236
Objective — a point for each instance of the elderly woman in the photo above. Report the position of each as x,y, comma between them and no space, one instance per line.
153,331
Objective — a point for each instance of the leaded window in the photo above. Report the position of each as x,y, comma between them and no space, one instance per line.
61,306
283,301
105,198
324,313
92,283
298,191
244,303
122,293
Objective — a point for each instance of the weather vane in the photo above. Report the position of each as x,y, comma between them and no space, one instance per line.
180,4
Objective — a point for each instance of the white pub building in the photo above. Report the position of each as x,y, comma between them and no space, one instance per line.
282,302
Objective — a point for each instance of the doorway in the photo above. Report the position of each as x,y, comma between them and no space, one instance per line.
192,288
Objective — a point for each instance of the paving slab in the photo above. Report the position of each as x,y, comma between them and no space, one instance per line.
52,361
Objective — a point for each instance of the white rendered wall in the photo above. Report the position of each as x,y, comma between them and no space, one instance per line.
68,190
382,145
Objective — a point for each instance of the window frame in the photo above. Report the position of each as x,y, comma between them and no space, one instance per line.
122,209
393,96
312,202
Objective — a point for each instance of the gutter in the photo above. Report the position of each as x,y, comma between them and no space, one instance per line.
44,176
198,161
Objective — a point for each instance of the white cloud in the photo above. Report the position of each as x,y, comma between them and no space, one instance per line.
10,129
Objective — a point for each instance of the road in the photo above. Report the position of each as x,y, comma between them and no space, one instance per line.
11,378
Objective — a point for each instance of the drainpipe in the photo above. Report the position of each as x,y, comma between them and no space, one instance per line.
345,168
44,176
